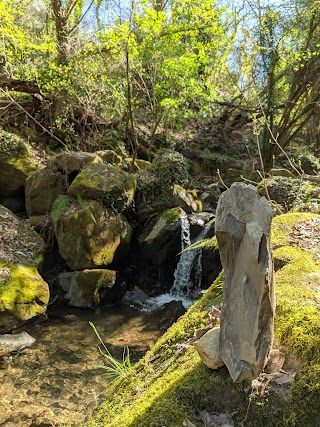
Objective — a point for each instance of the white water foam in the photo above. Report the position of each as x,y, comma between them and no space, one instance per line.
185,287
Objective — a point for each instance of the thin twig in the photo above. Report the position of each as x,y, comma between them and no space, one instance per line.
32,118
276,141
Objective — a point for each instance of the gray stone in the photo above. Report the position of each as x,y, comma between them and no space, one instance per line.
10,343
160,238
208,348
42,188
86,288
243,222
72,161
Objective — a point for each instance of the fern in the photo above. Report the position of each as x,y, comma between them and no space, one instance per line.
60,206
206,244
86,208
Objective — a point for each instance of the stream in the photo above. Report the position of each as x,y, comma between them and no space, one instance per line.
59,380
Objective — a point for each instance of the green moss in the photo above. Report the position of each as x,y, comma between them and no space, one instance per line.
23,292
15,153
171,215
283,224
115,187
298,317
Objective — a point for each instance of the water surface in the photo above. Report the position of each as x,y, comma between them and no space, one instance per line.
59,381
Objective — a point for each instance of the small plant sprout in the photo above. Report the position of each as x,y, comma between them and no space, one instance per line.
114,368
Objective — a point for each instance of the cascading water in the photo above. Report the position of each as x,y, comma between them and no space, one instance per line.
185,283
187,276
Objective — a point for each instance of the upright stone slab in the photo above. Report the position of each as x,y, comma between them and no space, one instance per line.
243,222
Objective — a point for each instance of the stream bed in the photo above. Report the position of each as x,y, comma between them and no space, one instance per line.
59,380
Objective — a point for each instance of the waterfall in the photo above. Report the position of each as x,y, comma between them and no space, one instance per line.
187,277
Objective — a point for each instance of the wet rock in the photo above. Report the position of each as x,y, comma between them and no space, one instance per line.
16,164
208,348
10,343
136,297
160,238
87,288
90,236
243,223
171,313
113,186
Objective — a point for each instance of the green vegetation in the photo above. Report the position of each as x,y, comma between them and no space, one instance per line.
60,206
127,79
114,369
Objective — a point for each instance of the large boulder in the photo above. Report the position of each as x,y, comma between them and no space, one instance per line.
87,288
113,186
23,292
90,236
160,238
73,161
16,164
243,222
42,188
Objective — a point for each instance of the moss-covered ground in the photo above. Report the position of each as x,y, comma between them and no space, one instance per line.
170,384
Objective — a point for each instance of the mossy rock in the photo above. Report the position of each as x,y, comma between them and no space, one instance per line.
160,238
72,161
187,199
42,188
138,165
170,385
23,292
16,164
113,186
109,156
89,235
87,288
